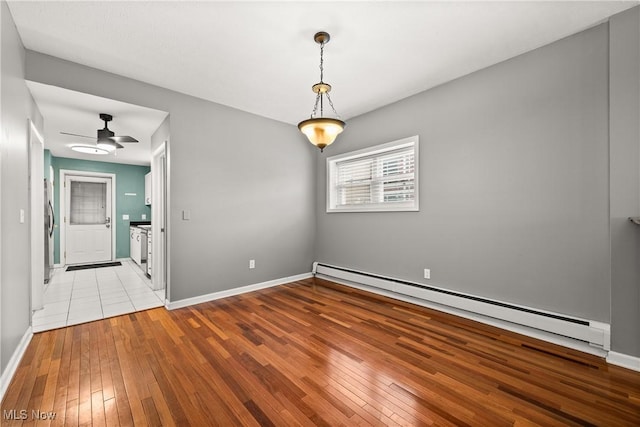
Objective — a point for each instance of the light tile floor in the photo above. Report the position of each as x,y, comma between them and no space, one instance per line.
75,297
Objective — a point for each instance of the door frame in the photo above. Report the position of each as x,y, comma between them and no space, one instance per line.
160,219
62,202
36,208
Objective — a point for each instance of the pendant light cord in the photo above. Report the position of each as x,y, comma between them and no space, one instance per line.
321,61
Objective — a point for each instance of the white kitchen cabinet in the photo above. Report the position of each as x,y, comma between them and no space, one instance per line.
135,247
147,189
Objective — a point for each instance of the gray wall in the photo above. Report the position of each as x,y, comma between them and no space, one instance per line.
247,181
161,134
17,107
513,184
625,180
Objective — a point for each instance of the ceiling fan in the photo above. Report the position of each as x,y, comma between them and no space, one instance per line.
106,140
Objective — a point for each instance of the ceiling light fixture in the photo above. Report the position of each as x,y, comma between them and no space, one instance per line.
89,149
107,144
321,131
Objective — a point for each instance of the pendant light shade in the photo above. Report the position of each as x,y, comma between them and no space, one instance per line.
321,131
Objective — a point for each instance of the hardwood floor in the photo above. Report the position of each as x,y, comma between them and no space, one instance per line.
303,355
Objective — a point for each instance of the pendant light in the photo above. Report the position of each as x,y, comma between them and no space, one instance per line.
321,131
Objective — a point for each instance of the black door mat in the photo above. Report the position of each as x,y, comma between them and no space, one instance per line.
87,266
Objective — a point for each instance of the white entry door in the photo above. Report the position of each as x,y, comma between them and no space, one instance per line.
88,219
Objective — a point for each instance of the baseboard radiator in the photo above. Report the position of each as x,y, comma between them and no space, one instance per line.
596,334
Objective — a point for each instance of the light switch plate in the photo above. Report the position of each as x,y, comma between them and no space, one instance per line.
186,215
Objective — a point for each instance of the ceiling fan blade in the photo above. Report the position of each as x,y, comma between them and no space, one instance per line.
125,138
75,134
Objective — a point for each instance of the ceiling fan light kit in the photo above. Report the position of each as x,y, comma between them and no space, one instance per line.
89,149
108,144
321,131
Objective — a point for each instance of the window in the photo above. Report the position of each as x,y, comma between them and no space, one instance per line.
88,202
380,178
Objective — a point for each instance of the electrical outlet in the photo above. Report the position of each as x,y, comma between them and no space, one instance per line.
125,217
427,273
144,216
252,263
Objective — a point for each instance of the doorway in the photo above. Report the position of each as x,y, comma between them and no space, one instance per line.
89,293
87,213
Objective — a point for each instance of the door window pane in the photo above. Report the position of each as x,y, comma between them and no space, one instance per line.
88,202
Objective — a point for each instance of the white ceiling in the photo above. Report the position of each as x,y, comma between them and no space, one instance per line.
260,56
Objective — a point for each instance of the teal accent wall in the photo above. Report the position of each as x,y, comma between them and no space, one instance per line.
129,180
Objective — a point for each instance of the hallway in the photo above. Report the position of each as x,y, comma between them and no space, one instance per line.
75,297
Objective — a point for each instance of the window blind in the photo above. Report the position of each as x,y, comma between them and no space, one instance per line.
88,203
376,179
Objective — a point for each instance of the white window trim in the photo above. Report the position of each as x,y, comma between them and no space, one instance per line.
412,141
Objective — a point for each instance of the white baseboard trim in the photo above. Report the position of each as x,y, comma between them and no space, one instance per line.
172,305
509,326
12,366
624,360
